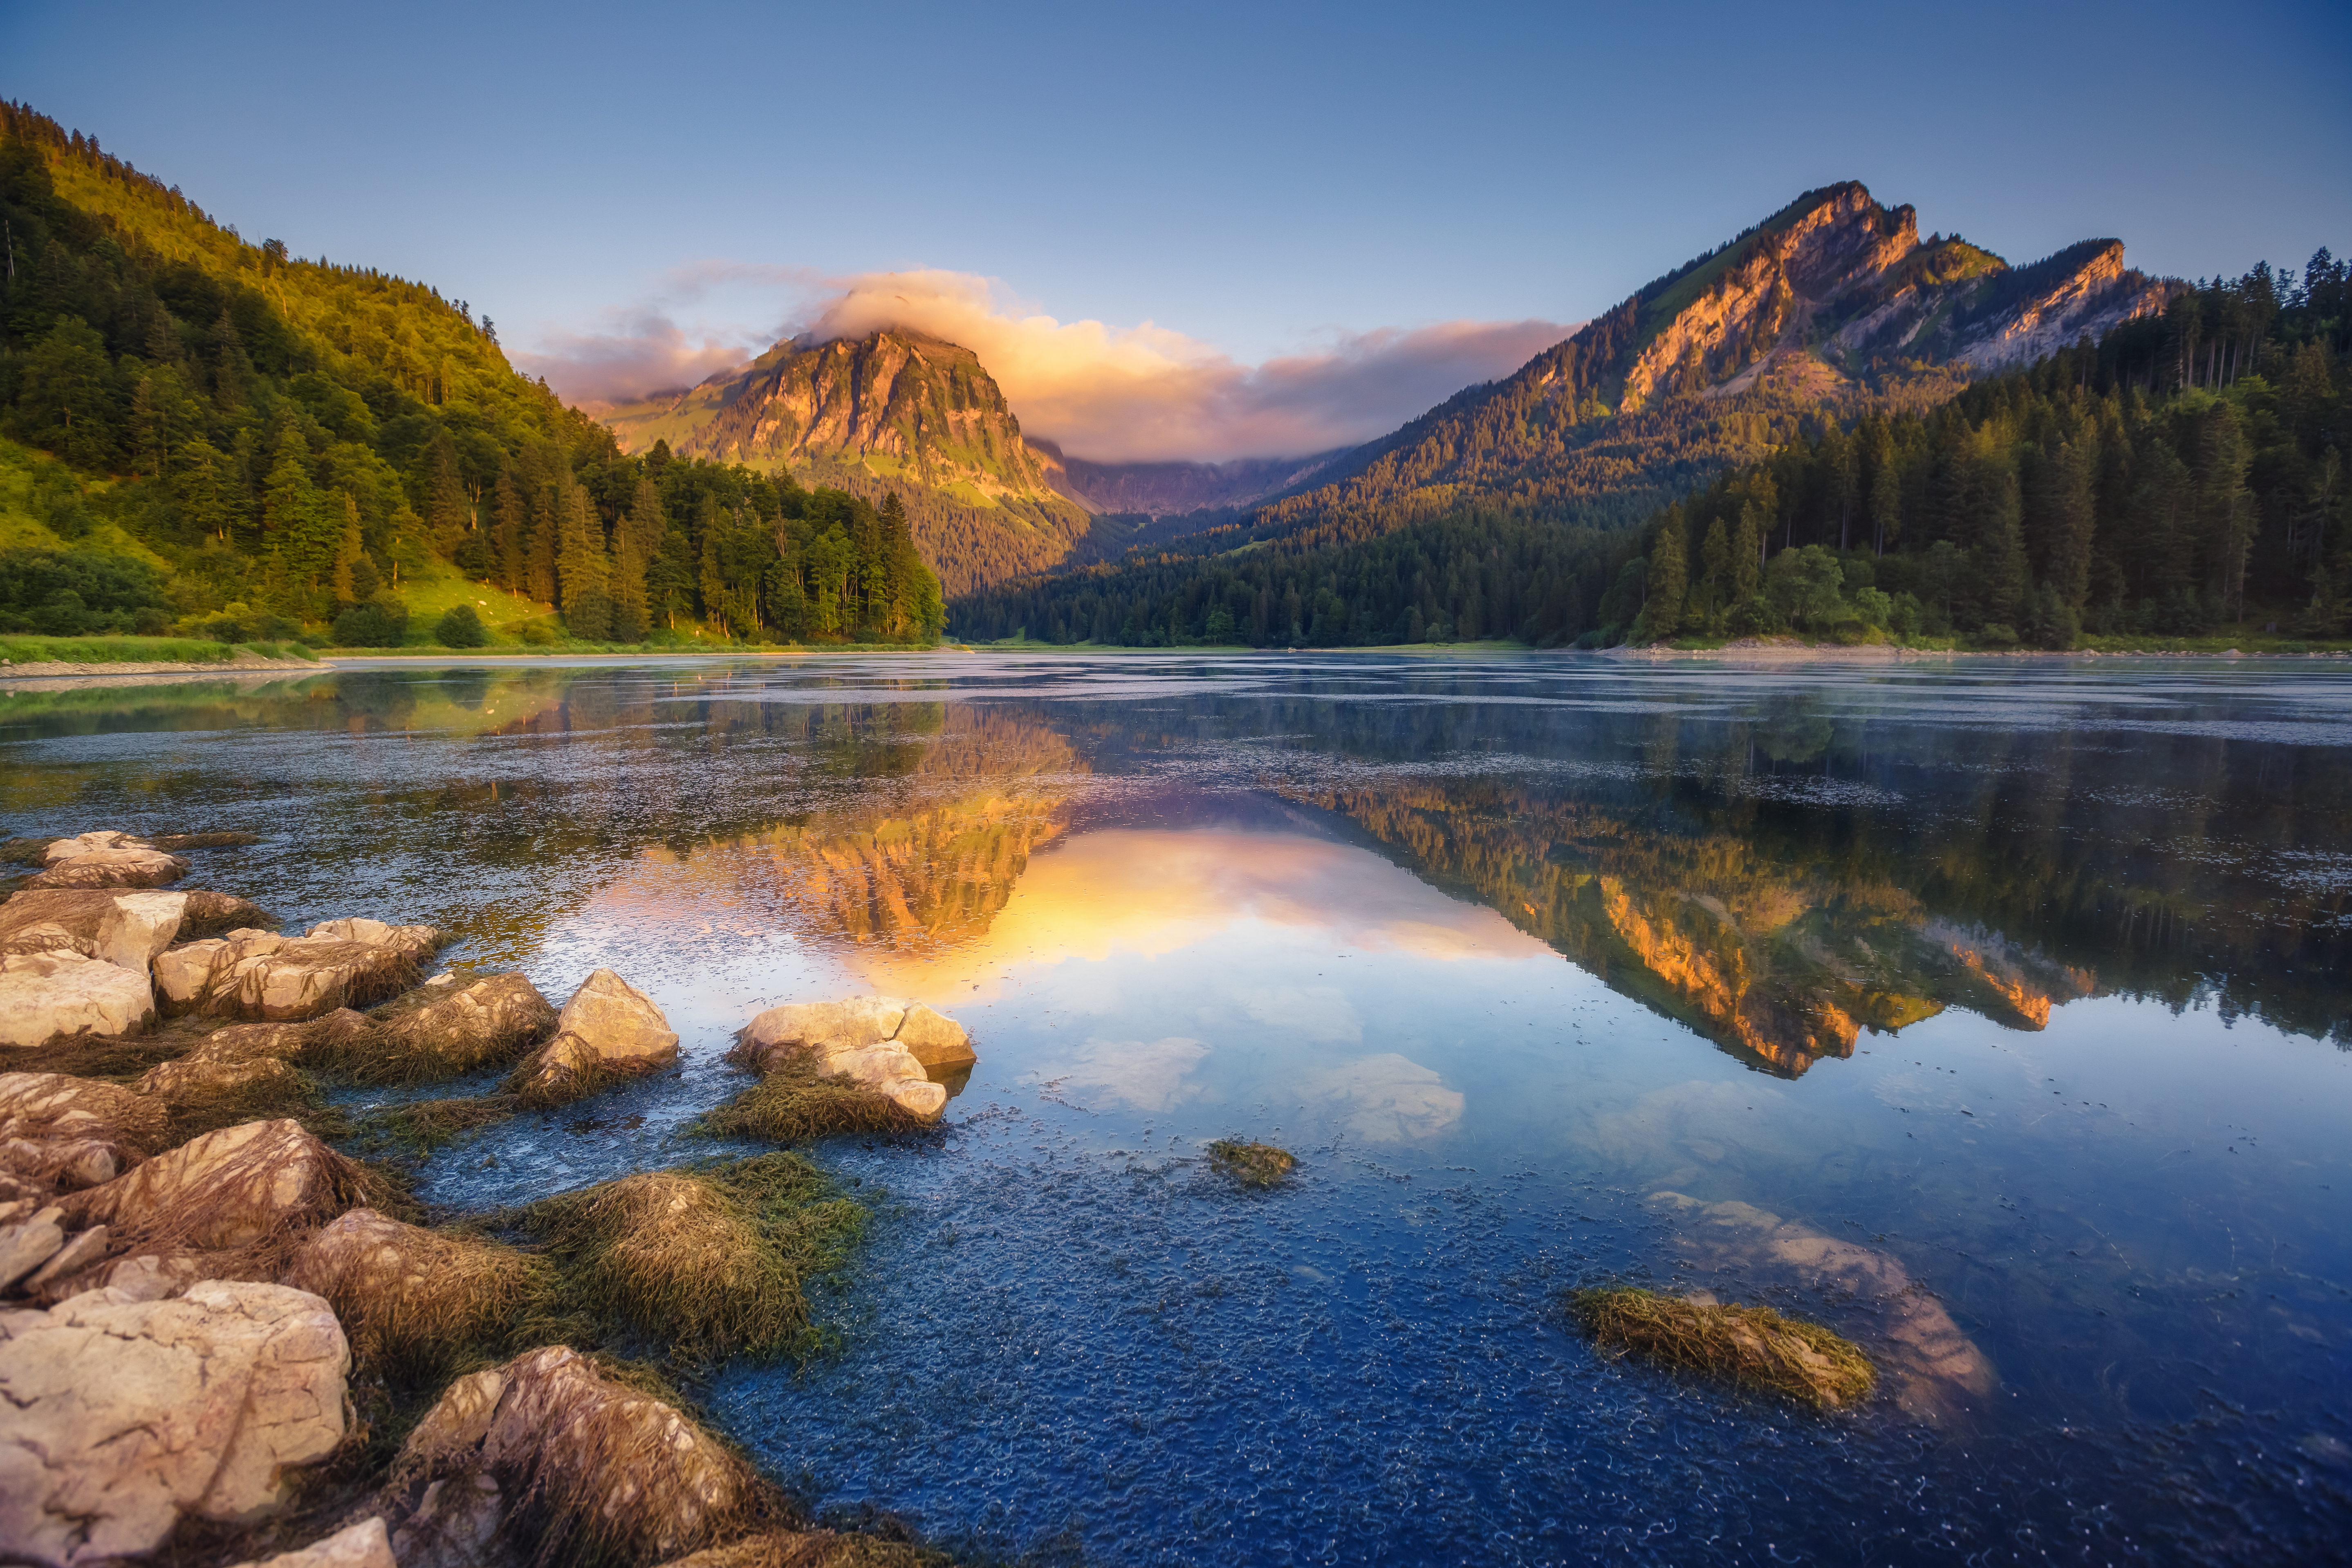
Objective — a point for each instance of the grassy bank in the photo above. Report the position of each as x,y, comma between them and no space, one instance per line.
31,649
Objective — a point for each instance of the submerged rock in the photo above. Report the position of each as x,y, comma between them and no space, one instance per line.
123,929
258,974
1752,1346
126,1415
444,1028
1252,1165
45,996
609,1030
362,1546
138,866
557,1458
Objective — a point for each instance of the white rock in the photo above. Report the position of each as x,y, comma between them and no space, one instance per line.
26,1245
936,1039
825,1026
259,974
609,1028
123,929
90,843
124,868
46,994
79,1253
363,1545
123,1416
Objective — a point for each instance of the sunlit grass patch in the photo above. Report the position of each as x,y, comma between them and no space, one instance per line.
1252,1165
1754,1347
706,1262
794,1105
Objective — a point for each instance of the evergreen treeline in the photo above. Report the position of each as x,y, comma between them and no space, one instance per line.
291,439
2184,472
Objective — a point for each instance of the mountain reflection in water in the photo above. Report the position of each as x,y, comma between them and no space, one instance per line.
1994,1013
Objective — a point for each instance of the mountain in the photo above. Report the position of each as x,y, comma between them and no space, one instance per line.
893,411
1834,301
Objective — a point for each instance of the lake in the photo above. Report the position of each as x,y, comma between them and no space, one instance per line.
1997,1013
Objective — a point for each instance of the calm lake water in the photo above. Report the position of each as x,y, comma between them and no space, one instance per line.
1997,1013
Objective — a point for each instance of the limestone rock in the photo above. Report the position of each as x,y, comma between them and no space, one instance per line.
46,994
883,1043
597,1461
854,1024
362,1545
446,1027
258,974
63,850
82,1250
225,1189
609,1029
264,1080
124,929
406,1291
28,1244
50,1107
125,1415
208,914
61,1165
936,1039
129,867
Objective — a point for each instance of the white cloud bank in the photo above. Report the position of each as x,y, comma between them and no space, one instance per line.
1109,394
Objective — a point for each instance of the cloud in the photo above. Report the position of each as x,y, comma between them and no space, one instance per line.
1111,394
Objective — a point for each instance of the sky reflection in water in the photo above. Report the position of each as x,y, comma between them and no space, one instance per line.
1995,1013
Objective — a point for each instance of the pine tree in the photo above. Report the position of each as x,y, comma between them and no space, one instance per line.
582,571
510,557
447,511
1661,612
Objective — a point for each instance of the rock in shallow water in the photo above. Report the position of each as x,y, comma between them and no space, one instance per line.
258,974
609,1029
446,1027
123,929
129,867
225,1189
126,1415
881,1043
362,1546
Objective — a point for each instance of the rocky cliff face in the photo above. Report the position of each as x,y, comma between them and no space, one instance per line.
894,411
1834,300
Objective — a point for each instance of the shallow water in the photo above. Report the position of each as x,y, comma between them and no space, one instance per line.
1995,1013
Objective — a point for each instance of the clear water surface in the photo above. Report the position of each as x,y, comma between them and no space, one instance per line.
1996,1012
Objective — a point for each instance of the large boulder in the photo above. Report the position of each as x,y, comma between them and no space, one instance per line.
362,1545
125,1416
550,1454
225,1189
446,1027
258,974
880,1043
129,867
124,929
609,1029
61,850
854,1024
44,995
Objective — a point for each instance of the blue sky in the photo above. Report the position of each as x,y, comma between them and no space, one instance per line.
1249,182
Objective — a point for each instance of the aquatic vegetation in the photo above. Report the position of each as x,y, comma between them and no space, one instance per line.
814,1549
1754,1347
204,1095
796,1104
706,1261
439,1031
1252,1165
421,1126
417,1304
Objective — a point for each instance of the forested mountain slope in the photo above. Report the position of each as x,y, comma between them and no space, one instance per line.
1834,301
2184,473
279,445
894,410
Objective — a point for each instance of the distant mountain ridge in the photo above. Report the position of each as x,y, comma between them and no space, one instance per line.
1832,301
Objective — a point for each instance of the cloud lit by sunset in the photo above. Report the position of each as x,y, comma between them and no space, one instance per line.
1111,394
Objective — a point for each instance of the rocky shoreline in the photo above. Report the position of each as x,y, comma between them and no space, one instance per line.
213,1324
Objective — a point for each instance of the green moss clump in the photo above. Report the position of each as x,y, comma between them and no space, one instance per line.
794,1105
707,1261
1252,1165
1754,1347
